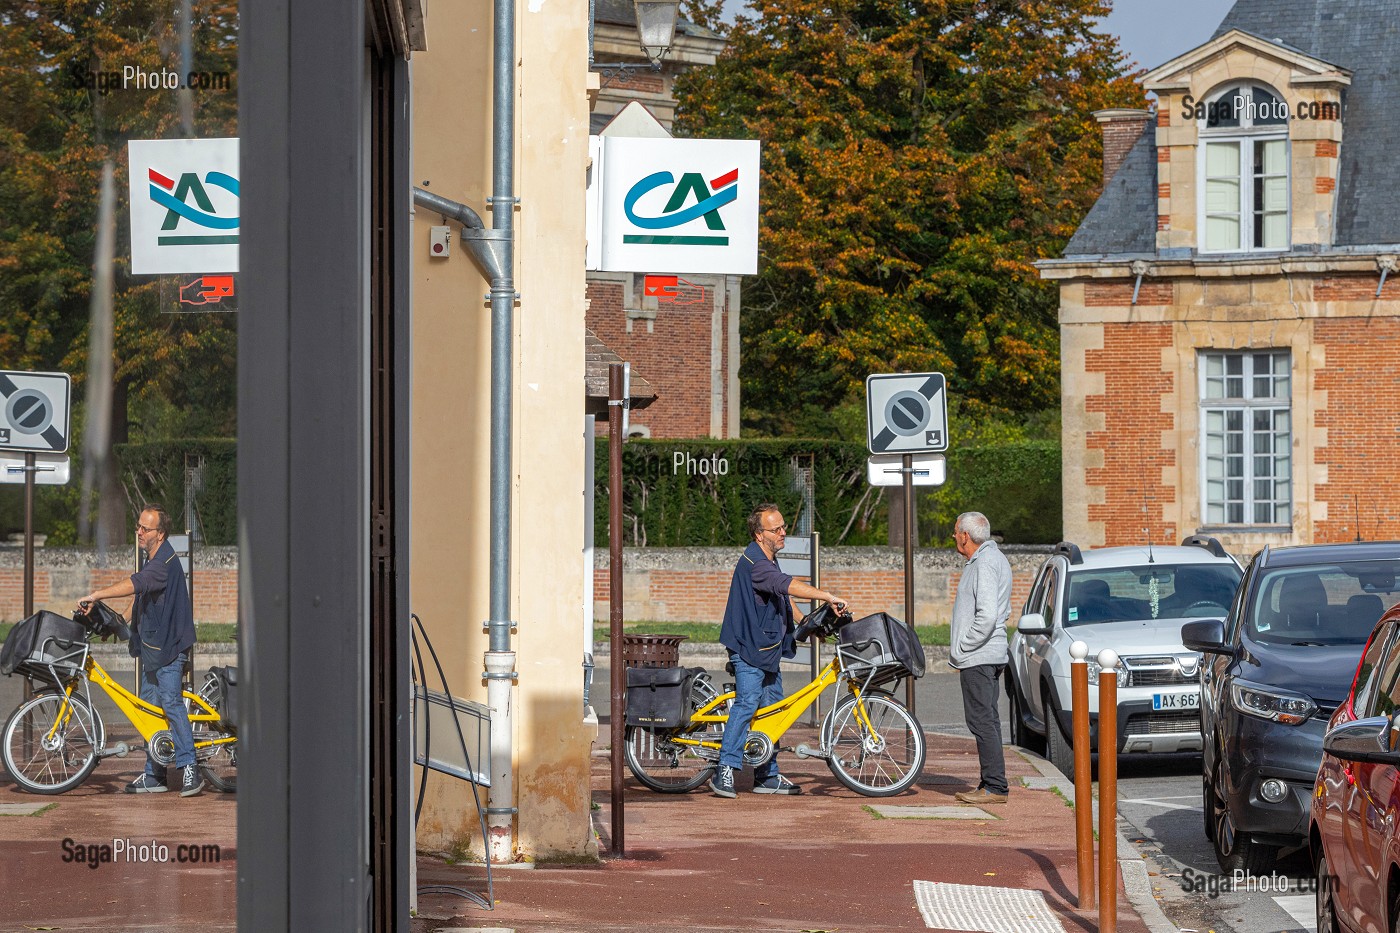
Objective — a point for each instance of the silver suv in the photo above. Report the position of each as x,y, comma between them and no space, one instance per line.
1133,600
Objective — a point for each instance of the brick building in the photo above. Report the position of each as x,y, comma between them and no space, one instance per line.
686,343
1227,309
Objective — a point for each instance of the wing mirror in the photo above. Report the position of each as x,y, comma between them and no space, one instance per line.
1206,636
1366,740
1032,623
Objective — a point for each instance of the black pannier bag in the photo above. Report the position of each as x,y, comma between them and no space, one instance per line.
225,699
659,697
39,640
886,644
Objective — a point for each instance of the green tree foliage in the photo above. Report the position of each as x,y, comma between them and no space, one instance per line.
919,156
63,112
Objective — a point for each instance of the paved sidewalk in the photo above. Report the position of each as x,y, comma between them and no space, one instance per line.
827,860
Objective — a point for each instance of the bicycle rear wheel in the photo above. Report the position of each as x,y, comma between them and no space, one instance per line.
880,760
47,753
658,762
219,763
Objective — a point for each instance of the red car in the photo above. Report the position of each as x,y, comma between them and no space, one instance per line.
1354,826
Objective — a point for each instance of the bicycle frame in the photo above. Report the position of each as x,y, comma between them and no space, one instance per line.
147,718
775,720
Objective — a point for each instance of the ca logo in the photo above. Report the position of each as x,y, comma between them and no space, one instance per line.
709,198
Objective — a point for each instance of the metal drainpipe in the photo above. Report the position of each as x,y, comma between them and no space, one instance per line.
500,659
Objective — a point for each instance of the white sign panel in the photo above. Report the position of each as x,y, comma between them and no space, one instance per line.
888,470
906,413
676,205
184,205
34,412
49,470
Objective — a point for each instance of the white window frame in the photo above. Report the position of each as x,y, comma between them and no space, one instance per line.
1247,136
1217,513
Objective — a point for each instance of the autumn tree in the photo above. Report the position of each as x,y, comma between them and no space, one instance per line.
64,111
919,156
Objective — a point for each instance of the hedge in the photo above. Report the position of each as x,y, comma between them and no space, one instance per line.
699,492
155,472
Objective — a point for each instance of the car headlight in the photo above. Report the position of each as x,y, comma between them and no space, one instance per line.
1094,671
1270,703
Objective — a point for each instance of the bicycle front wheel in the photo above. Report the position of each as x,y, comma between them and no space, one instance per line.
879,754
49,753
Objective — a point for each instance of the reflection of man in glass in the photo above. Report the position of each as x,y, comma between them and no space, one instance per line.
162,642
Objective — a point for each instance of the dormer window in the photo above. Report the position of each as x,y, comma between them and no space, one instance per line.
1244,170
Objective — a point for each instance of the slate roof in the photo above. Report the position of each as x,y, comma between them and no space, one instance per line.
597,356
1362,36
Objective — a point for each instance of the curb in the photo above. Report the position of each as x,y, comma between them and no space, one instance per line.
1137,884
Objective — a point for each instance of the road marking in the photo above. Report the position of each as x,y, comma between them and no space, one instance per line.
1158,802
1301,907
978,908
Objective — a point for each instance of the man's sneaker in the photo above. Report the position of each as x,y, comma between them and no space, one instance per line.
146,784
980,796
723,782
777,784
191,781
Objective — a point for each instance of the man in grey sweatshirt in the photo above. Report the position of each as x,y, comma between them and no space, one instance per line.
978,640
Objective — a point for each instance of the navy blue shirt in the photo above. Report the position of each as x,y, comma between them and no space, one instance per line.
166,620
758,617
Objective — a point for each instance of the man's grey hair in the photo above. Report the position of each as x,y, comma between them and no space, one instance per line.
976,526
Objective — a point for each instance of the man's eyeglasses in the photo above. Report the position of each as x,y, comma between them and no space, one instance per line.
141,528
781,529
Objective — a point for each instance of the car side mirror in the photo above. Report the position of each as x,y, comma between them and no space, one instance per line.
1365,740
1032,623
1206,636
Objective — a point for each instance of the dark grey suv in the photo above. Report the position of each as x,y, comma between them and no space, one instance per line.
1275,669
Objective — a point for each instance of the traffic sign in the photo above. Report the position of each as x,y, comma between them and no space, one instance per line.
49,470
34,411
888,470
906,413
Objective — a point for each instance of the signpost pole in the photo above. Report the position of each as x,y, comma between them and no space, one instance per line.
29,470
908,472
814,713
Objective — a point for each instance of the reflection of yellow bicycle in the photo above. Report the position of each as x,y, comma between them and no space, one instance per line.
53,741
870,740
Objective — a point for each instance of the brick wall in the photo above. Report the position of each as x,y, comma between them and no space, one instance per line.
692,584
62,576
1133,455
1120,294
1361,378
1356,287
672,351
1119,136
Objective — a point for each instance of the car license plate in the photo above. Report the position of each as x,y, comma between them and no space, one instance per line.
1177,700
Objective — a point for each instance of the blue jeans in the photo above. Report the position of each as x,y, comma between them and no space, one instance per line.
753,687
163,687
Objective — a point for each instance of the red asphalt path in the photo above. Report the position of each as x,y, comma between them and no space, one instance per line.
821,861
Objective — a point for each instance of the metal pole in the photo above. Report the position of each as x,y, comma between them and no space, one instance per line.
1083,786
616,669
814,712
1108,791
908,474
29,470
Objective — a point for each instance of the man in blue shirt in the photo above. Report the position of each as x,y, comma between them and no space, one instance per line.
757,630
161,638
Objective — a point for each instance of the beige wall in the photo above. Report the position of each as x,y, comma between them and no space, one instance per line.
451,416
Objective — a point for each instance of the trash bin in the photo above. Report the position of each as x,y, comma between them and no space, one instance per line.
652,650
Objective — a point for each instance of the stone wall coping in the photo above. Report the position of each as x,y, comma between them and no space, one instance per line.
68,558
833,558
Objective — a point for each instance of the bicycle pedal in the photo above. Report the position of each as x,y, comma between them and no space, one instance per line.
119,750
805,751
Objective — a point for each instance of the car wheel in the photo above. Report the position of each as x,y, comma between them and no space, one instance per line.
1021,734
1057,747
1235,849
1326,908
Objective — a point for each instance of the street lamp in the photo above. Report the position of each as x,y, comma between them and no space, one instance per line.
656,29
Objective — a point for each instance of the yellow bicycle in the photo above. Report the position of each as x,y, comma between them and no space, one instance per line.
53,741
870,740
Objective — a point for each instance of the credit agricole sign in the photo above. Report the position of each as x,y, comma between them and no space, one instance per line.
673,205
